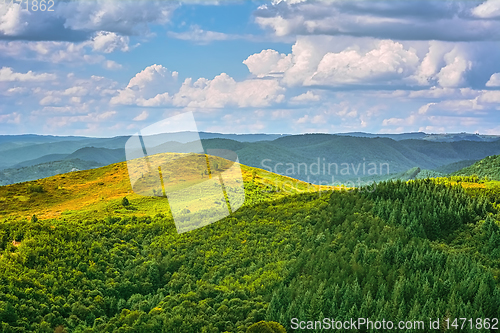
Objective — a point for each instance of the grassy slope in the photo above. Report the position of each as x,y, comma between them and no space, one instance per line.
97,193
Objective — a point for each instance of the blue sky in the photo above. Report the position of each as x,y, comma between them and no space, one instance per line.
105,68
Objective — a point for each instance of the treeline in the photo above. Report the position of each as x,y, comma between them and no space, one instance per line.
415,250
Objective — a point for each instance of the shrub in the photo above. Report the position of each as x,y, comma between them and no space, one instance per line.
35,188
125,202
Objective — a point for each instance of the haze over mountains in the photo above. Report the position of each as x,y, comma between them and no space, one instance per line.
315,158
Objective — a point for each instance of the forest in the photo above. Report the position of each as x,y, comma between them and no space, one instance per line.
415,250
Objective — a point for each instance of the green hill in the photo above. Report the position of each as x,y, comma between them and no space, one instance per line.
487,167
452,167
43,170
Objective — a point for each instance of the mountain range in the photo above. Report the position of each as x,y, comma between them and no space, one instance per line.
315,158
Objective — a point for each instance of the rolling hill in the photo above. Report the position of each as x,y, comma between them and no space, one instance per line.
43,170
97,192
487,167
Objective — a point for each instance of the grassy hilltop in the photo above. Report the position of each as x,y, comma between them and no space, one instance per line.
97,193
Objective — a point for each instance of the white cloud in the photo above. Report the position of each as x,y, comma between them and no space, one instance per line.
306,97
108,42
90,119
494,80
156,86
16,91
333,61
452,75
224,91
389,61
110,64
50,100
490,97
124,17
432,62
433,92
143,116
11,19
268,62
8,75
397,20
488,9
399,121
76,91
149,87
424,108
12,118
346,61
200,36
79,20
54,52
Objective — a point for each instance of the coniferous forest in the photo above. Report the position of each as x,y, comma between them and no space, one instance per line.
401,251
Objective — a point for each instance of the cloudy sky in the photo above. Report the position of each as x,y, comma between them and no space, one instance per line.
104,68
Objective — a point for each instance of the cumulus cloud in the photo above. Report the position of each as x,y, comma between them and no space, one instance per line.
399,20
452,75
494,80
11,19
329,61
488,9
490,97
268,62
50,100
108,42
388,61
149,87
157,86
8,75
224,91
79,20
306,97
112,65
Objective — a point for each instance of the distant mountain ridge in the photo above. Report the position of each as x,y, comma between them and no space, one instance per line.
314,158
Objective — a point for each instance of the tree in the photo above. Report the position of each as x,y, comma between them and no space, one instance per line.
266,327
125,202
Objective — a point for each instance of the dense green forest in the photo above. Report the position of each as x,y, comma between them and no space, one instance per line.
487,167
401,251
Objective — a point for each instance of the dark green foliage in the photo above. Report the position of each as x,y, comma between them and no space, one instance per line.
487,167
452,167
48,169
427,208
125,202
266,327
32,188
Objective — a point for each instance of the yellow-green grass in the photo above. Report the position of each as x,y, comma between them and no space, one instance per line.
97,193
